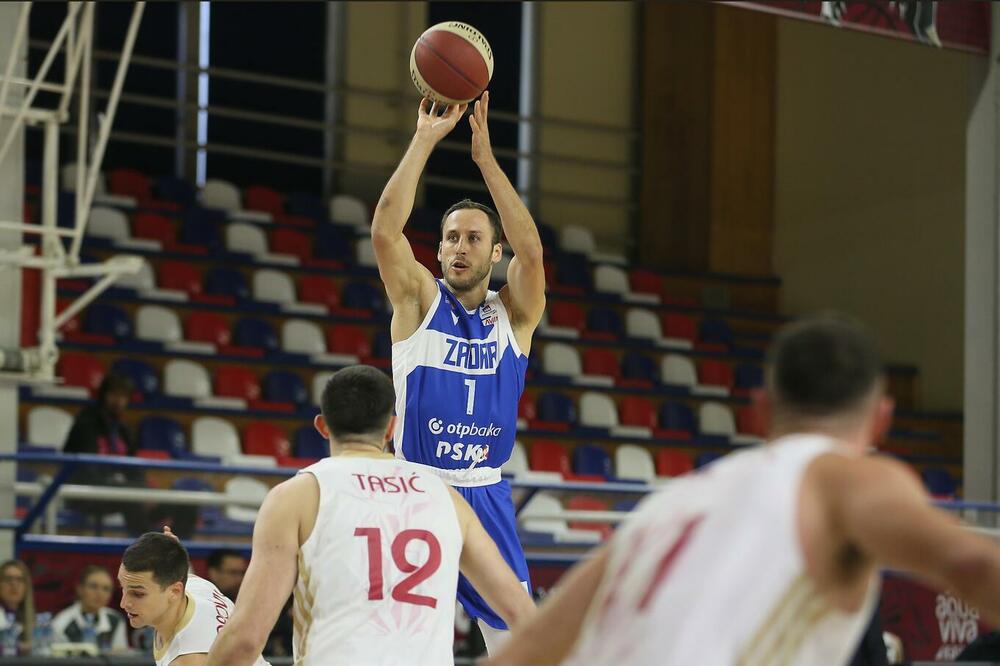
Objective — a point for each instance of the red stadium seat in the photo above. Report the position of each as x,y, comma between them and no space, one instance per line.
130,183
263,198
645,282
526,408
347,339
204,326
266,439
154,227
568,314
80,370
152,454
290,241
637,411
715,373
680,326
427,256
318,289
749,421
601,361
589,503
673,463
179,275
233,381
548,456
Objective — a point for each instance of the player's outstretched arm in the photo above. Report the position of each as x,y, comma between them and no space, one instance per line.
486,569
270,577
402,274
552,632
882,509
526,273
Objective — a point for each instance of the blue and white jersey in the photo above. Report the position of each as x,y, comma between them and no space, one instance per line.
458,380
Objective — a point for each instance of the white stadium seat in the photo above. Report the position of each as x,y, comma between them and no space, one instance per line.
67,179
108,223
365,253
215,437
597,411
273,286
518,462
544,504
144,279
641,323
559,358
186,379
302,337
220,194
610,280
500,269
246,489
574,238
346,209
157,323
319,383
49,426
716,419
241,237
678,370
634,462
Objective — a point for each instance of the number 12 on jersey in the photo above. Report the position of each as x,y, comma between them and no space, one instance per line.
418,573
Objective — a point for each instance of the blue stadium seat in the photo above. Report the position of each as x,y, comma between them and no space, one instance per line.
548,235
65,210
334,241
143,375
677,416
748,376
281,386
592,460
178,190
553,406
222,281
636,365
362,295
201,227
310,444
939,482
715,331
207,514
161,433
625,505
307,205
382,344
105,319
249,332
573,270
605,320
705,459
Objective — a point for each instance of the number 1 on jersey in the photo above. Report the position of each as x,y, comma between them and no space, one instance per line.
471,401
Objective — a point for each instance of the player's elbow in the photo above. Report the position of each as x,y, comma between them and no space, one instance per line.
518,610
531,253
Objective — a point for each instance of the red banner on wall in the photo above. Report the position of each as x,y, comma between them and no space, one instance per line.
956,24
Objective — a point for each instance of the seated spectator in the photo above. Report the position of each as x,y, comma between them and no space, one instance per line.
226,569
91,611
98,429
17,599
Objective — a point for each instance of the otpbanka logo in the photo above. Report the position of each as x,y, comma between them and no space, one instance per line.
959,624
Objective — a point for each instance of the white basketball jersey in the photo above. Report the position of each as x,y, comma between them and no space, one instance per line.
207,612
378,575
709,571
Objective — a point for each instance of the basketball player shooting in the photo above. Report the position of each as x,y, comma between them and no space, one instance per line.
770,556
371,545
460,350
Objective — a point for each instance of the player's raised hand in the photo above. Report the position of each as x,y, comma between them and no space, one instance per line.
435,121
481,148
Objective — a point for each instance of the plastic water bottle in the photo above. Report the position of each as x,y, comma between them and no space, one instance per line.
89,634
41,645
8,646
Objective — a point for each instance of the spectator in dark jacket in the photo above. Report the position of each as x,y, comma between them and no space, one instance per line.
91,610
98,429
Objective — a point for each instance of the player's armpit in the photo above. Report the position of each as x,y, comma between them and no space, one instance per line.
488,572
881,508
404,277
553,631
271,575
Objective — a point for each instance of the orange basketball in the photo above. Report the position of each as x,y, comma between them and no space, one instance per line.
451,63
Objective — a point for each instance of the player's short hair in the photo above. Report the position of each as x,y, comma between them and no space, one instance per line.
219,555
162,555
490,213
358,400
823,366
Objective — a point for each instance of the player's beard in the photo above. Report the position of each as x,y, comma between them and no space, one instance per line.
468,281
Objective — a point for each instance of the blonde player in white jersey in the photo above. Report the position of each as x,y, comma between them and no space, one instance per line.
769,556
372,546
159,591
